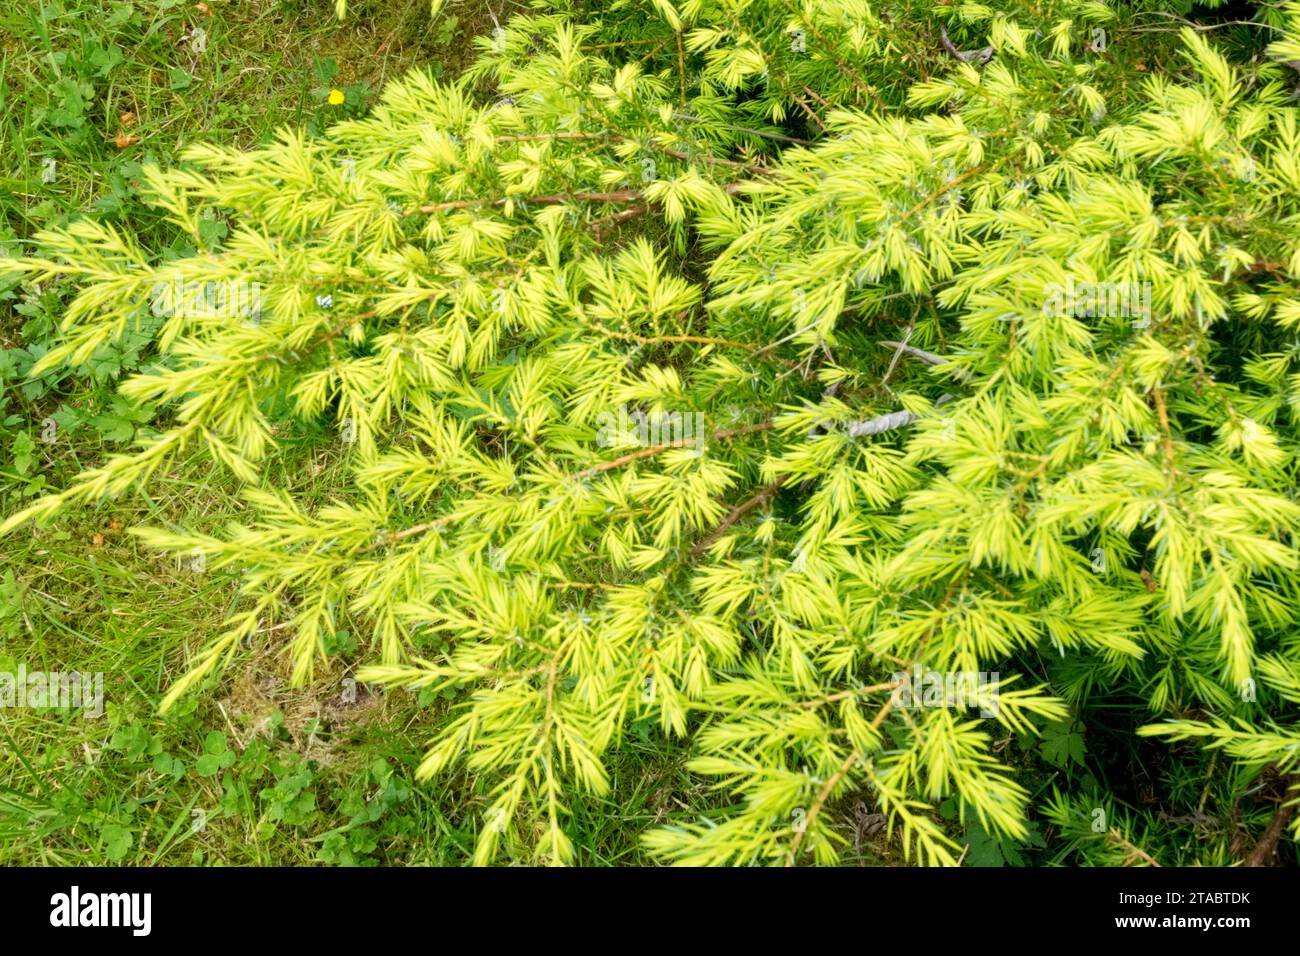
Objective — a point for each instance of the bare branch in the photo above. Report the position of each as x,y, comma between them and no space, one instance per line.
929,358
978,57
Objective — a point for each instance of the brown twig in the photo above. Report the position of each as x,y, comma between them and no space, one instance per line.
952,184
1135,852
534,137
812,113
615,218
711,160
679,339
553,199
681,70
736,513
1262,854
678,443
1162,411
394,536
617,195
845,694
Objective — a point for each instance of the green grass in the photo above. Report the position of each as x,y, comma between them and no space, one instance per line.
75,75
250,771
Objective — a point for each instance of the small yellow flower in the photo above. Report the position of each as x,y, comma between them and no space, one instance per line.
336,98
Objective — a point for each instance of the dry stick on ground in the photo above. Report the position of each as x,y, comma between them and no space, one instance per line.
886,423
980,56
902,418
893,362
889,421
1262,854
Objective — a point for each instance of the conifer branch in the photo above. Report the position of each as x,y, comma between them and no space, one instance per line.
722,435
555,199
753,350
828,48
856,756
